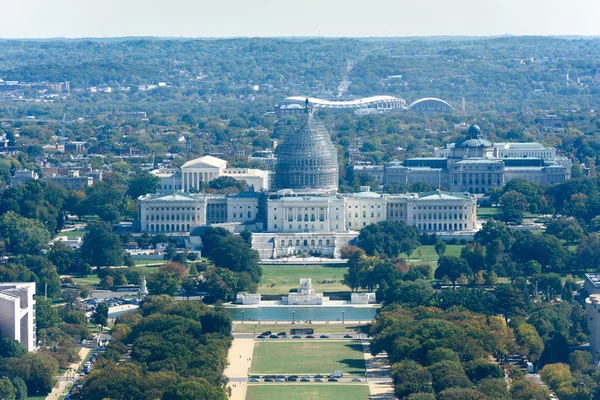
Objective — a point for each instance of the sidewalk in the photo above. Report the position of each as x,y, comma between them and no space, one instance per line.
240,359
378,374
64,380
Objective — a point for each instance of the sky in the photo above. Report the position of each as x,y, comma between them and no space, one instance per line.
264,18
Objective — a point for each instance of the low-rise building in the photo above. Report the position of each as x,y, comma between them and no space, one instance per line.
17,313
591,283
23,176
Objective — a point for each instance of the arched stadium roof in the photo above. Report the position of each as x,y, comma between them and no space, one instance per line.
356,103
425,99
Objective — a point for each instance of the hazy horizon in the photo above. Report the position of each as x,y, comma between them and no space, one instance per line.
72,19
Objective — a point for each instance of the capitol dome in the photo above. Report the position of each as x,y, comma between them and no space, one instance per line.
307,159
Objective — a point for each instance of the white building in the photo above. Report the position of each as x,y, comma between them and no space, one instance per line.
203,170
17,313
476,165
592,309
289,223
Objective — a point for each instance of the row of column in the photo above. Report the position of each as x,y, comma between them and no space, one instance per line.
192,180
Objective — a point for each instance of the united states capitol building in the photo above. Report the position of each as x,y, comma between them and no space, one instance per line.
303,213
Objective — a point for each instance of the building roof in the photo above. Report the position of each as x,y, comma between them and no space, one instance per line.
593,279
440,194
435,99
356,103
205,162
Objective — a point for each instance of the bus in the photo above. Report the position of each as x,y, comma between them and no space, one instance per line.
302,331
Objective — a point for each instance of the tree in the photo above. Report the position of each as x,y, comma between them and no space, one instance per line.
474,255
448,374
411,294
11,348
588,252
38,370
461,394
580,359
510,301
231,252
168,279
21,388
477,370
524,389
63,257
142,183
7,390
532,192
100,315
440,248
451,267
493,388
23,235
513,206
101,247
357,268
565,228
210,239
197,390
529,340
46,315
556,375
440,354
409,378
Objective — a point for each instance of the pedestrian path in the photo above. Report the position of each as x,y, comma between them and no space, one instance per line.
240,359
378,374
70,376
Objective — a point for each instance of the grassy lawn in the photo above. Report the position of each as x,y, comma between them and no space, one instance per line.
308,391
73,233
280,279
487,212
427,253
319,328
36,397
308,357
91,279
140,263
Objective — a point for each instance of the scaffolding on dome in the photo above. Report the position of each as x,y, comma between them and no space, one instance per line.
307,159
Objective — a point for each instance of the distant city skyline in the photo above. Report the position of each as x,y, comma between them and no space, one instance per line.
269,18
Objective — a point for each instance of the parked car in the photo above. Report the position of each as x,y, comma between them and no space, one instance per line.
269,380
296,337
310,337
254,377
304,380
253,380
273,336
281,334
318,376
356,380
318,380
291,379
324,337
332,380
347,336
261,337
266,333
279,380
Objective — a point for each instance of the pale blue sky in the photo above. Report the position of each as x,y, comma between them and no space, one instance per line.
223,18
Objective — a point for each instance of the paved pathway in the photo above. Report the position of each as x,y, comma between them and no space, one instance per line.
68,377
378,374
240,359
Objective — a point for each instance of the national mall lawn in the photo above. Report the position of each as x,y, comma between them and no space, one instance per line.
308,391
308,357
